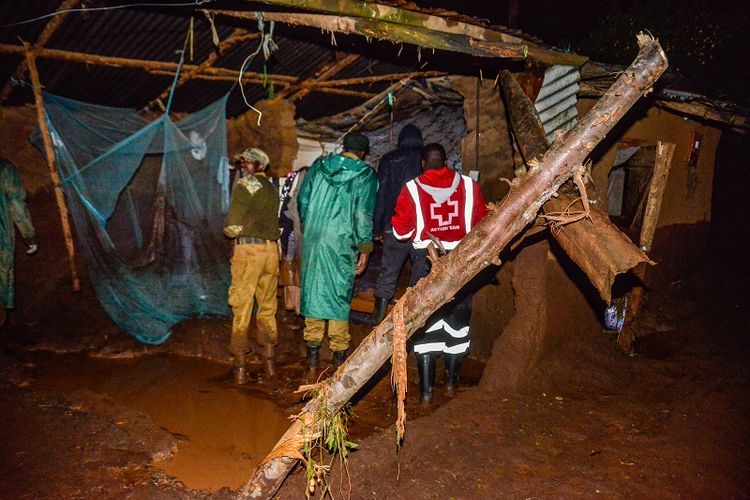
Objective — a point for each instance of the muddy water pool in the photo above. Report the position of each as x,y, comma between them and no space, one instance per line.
222,430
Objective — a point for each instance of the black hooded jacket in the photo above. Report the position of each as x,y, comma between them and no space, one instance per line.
396,168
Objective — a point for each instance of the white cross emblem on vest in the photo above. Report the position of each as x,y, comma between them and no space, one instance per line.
448,212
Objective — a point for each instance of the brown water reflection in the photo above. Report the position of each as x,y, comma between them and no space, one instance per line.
222,431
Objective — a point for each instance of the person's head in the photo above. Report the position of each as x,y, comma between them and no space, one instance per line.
252,160
410,135
433,156
356,143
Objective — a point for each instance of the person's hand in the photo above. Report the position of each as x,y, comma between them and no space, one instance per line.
378,239
32,244
361,263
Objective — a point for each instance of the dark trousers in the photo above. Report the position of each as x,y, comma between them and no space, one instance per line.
395,253
446,331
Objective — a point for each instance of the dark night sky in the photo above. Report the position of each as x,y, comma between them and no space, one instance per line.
705,40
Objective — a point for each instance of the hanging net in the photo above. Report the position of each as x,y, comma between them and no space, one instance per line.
148,202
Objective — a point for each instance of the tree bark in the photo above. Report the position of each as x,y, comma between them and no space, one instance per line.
597,246
478,249
415,20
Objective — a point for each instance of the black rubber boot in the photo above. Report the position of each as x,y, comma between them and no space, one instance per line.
338,359
452,372
426,367
381,308
311,364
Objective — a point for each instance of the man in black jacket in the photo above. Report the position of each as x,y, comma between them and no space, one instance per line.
396,168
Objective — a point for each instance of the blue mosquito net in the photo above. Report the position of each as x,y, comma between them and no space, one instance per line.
148,202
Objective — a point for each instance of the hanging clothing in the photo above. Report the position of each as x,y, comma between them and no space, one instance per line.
13,212
335,202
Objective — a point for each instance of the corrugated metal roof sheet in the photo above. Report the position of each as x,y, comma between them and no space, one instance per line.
556,102
156,33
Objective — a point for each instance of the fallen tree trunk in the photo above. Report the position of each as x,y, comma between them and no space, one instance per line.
476,251
596,245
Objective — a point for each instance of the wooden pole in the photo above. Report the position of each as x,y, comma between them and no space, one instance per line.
400,33
147,65
41,40
476,251
596,245
323,73
412,19
657,185
52,164
391,77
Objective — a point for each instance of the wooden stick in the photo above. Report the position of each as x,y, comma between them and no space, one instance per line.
147,65
477,250
253,80
656,188
52,164
392,77
42,40
337,91
323,73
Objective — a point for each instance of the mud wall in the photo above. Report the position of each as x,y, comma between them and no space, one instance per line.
16,125
276,134
681,234
551,309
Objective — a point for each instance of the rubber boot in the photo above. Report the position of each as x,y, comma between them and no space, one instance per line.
426,367
338,359
452,372
269,355
239,372
381,308
311,364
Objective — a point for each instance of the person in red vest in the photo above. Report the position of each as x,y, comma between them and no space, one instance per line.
443,205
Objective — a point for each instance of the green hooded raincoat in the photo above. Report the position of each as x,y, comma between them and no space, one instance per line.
336,203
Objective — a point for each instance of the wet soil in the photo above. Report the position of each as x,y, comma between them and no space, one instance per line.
87,412
670,421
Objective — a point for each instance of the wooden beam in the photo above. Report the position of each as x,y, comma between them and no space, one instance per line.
477,250
324,72
657,185
441,24
237,37
350,93
144,64
398,33
596,245
656,188
52,165
391,77
41,41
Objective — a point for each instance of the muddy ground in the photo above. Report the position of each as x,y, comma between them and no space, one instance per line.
670,421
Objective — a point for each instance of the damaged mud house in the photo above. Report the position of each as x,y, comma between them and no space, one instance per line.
607,351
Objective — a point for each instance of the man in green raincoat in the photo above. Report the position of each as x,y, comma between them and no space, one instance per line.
13,211
336,203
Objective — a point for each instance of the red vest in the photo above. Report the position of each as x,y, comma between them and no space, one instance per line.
441,202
